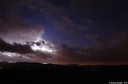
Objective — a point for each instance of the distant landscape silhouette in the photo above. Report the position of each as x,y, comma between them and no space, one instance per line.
36,72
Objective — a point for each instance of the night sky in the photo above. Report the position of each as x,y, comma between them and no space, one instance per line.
64,31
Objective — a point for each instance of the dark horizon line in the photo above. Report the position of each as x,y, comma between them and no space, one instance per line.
6,62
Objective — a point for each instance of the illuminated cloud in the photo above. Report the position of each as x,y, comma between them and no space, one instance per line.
22,41
19,31
13,29
30,50
62,53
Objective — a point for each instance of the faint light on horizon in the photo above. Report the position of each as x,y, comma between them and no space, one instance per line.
44,63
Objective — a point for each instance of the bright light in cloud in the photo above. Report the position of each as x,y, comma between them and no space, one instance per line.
9,54
42,46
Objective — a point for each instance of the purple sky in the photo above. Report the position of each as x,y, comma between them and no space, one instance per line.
64,31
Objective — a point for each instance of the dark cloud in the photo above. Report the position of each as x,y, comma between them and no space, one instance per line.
18,51
60,17
43,55
65,25
114,53
13,29
17,48
98,40
20,32
14,32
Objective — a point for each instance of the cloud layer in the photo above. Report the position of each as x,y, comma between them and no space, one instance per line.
13,29
14,33
114,53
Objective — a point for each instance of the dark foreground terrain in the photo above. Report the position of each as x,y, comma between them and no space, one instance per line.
28,73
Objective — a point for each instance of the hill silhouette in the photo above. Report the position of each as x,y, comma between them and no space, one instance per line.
23,72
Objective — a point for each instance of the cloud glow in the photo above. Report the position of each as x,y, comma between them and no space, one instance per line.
41,46
9,54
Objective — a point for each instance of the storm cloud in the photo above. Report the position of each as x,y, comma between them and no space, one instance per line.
20,52
17,35
114,53
18,48
13,29
60,16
